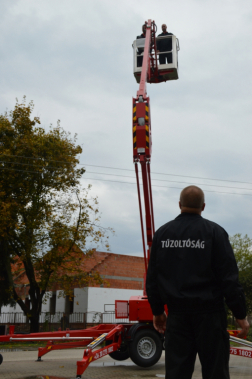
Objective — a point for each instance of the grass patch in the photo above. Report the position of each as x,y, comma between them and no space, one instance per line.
22,345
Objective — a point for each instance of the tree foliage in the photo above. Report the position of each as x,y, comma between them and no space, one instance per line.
46,217
242,246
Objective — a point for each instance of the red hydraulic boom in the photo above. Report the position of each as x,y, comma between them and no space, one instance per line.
142,141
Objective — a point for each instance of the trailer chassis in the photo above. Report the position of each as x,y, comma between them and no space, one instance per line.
115,337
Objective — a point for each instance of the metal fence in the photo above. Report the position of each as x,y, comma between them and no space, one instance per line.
59,317
109,318
13,318
74,320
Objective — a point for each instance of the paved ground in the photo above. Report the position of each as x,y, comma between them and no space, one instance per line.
22,364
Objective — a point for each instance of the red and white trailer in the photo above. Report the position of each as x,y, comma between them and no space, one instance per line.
137,339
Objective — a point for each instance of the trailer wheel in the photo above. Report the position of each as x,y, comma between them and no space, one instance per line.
146,348
120,354
1,359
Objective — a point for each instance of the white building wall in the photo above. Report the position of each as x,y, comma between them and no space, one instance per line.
60,303
46,302
80,300
5,309
99,296
11,311
89,299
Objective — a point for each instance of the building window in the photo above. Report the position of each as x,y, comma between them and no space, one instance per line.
69,305
52,304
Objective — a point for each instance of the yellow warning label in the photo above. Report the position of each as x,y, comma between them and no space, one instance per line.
134,113
147,136
134,137
147,112
98,339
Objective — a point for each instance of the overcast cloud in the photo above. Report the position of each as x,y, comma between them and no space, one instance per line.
74,60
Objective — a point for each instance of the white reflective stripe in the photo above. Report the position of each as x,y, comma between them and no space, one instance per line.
50,338
240,341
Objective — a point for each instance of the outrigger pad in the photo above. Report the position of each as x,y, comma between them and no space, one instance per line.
1,359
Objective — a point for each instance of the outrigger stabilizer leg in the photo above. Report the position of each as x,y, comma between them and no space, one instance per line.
91,355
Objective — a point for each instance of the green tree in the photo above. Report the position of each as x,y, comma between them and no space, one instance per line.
46,217
242,246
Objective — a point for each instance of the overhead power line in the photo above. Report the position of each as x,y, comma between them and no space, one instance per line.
154,185
170,181
126,169
123,176
118,181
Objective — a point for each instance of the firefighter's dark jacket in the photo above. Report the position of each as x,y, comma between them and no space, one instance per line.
141,50
164,44
192,269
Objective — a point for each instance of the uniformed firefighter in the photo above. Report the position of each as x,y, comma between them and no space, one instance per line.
193,270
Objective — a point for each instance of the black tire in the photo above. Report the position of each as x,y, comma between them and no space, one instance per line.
146,348
1,359
120,354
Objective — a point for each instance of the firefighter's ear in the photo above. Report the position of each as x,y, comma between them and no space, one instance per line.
203,207
179,204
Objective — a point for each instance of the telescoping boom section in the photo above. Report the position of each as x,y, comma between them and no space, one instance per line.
142,144
138,306
142,137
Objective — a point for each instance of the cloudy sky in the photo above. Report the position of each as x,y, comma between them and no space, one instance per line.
74,60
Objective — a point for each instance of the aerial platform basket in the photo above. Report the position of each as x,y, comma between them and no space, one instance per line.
167,71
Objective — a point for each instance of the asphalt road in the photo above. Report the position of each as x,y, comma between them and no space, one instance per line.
62,364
